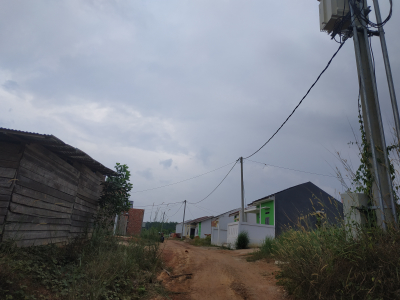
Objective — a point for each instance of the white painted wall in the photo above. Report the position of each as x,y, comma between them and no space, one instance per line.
252,218
257,232
219,234
178,228
233,231
205,228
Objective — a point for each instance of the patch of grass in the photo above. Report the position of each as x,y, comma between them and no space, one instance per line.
96,268
242,241
328,263
206,242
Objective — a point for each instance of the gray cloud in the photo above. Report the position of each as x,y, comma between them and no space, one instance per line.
201,83
148,174
10,86
166,163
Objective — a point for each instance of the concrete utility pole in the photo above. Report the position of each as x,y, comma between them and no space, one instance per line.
183,223
382,187
243,216
388,71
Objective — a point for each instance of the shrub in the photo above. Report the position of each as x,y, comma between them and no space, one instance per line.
242,241
202,242
328,263
97,268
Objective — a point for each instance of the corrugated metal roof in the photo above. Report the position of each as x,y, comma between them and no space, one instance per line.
200,219
266,197
57,146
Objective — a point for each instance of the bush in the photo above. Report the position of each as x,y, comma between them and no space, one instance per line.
328,263
202,242
97,268
242,241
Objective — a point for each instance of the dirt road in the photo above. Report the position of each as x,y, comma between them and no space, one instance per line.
217,274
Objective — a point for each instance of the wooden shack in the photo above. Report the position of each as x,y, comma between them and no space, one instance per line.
49,190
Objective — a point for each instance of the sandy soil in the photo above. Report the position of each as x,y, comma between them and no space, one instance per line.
216,274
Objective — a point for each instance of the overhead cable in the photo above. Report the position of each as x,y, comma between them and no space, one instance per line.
159,187
216,186
291,169
175,212
205,209
158,204
319,76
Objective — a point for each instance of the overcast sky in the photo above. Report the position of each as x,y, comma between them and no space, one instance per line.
175,89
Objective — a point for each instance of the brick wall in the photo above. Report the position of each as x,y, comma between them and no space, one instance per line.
135,219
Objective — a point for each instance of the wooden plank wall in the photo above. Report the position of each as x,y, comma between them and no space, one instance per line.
49,200
42,200
86,200
10,156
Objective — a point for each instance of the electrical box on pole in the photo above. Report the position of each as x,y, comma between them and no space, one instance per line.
330,11
349,18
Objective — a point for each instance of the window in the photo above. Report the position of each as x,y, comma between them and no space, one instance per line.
267,221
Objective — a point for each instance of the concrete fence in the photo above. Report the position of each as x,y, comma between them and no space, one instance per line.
256,232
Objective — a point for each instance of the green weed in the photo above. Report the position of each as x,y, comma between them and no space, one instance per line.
97,268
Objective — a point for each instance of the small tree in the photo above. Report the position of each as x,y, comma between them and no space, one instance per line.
115,196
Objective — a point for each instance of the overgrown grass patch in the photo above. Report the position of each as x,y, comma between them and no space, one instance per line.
96,268
329,263
206,242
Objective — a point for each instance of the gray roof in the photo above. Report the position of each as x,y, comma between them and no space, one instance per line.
55,145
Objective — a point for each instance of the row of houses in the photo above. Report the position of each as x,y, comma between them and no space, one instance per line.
301,205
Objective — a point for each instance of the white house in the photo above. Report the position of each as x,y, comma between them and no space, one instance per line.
219,227
200,227
270,216
219,233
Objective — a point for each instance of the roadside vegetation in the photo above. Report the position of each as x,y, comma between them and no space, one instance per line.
95,265
242,241
348,261
328,263
101,267
206,242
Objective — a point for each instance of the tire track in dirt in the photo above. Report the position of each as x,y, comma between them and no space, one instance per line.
217,274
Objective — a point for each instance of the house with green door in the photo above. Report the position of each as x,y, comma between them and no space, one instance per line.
304,204
200,227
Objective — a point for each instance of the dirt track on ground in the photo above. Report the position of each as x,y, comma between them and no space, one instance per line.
216,274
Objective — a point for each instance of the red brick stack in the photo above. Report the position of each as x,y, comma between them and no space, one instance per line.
135,220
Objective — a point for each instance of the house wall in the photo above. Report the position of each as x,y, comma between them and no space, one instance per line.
256,232
267,211
219,234
10,156
205,228
178,228
135,219
297,205
51,200
86,200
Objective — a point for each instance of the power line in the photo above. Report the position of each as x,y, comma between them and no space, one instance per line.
190,212
176,211
319,76
291,169
203,198
159,187
205,209
158,204
216,186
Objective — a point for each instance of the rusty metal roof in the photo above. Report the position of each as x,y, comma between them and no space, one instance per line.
57,146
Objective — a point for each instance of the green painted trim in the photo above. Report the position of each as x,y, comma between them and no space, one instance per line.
200,229
267,211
